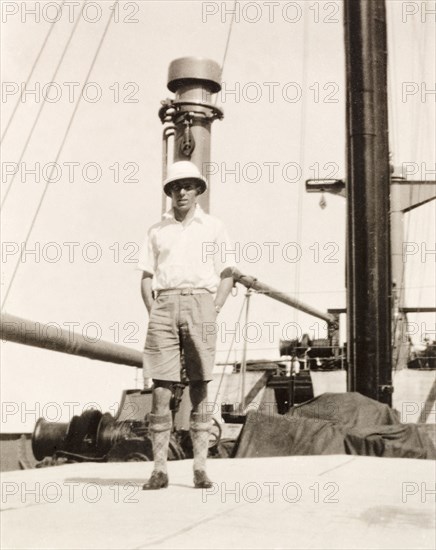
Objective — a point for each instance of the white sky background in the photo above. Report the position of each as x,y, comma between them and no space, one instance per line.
263,129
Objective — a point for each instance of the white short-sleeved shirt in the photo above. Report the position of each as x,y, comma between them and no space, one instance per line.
184,254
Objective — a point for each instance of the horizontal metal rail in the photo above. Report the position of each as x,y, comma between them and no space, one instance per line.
252,283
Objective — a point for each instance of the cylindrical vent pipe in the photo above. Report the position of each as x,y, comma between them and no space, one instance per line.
193,80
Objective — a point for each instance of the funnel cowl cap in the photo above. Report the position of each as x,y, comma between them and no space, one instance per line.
194,70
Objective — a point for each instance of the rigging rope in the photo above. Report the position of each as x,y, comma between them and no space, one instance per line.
228,354
393,118
392,85
418,124
427,237
228,37
58,155
227,44
35,122
299,216
418,119
52,24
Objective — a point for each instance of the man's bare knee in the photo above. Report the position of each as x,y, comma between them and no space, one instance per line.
161,400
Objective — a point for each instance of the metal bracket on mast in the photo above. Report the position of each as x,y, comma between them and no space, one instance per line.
405,195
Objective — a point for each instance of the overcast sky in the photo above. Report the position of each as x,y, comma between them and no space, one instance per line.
284,103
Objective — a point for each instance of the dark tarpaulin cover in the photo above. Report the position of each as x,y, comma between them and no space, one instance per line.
351,410
271,434
333,423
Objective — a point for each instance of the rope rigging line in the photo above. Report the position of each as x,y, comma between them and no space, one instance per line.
228,37
393,149
428,238
52,24
411,229
409,232
35,122
418,76
392,83
58,155
230,350
227,44
299,216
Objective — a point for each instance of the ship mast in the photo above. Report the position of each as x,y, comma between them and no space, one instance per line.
368,178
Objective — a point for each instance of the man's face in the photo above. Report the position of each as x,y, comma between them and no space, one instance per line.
184,194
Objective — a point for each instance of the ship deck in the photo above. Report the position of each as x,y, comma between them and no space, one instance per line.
332,502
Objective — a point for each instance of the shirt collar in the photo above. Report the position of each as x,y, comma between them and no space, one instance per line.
198,215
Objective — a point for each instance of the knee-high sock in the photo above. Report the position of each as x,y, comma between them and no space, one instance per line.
160,427
200,425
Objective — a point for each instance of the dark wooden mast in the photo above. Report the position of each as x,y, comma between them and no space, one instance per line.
368,248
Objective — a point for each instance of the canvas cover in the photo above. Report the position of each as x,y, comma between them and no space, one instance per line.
333,423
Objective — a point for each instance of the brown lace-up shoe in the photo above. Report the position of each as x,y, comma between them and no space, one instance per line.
158,480
201,481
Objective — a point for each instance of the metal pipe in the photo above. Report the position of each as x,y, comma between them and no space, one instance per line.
252,282
166,134
418,310
349,260
193,80
244,354
29,333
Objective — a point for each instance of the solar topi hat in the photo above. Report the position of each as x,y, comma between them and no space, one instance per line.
183,170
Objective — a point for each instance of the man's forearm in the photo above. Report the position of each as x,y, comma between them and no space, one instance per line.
146,291
224,288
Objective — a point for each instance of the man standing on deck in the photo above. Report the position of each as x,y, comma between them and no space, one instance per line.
183,288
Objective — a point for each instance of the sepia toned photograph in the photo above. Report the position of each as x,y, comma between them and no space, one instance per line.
218,266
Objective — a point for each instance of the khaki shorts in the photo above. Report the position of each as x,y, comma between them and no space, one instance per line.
179,326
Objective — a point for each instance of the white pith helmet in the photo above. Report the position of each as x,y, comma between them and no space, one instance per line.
183,170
